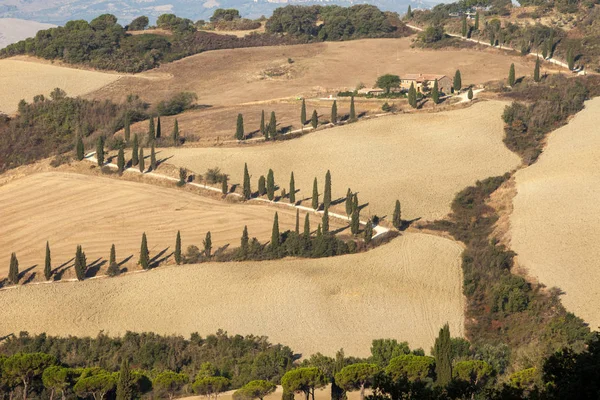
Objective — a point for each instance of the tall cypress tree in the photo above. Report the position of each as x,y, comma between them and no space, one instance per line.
153,164
368,231
464,26
355,222
224,187
239,131
435,93
349,202
297,230
263,131
142,161
134,151
144,260
262,186
175,134
178,248
352,110
412,96
457,83
80,264
80,149
121,161
127,127
570,59
207,242
409,13
545,50
303,114
355,202
275,233
48,263
476,26
306,227
100,151
273,126
511,75
334,117
270,185
158,129
397,217
113,268
244,242
325,220
470,94
315,195
292,189
442,351
247,190
151,131
327,191
314,120
113,255
126,383
13,271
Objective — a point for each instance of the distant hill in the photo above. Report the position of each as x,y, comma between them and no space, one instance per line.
13,30
60,11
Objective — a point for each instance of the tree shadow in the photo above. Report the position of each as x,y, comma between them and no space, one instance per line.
25,271
94,267
285,129
362,206
221,250
58,275
407,223
233,188
30,278
338,201
162,160
519,80
156,260
340,230
55,270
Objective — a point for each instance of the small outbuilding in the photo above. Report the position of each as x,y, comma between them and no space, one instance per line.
420,80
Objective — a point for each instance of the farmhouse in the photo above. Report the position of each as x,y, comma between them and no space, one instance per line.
444,83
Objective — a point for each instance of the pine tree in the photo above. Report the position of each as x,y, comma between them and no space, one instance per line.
314,121
397,218
247,191
224,187
153,164
511,75
244,242
368,232
435,93
127,128
442,351
144,260
409,13
121,161
142,160
134,151
262,186
334,117
327,191
292,189
457,84
306,227
263,131
100,151
48,263
349,202
207,242
325,220
476,26
412,96
178,248
158,129
303,114
270,185
80,148
151,131
570,59
113,267
273,126
13,272
239,131
355,222
175,134
126,384
352,110
470,94
315,195
275,233
464,26
297,230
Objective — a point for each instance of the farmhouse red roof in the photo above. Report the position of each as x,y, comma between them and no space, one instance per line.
422,77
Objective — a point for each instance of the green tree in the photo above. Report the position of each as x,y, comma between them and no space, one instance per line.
304,380
397,216
207,242
270,185
224,187
80,266
175,134
464,26
457,83
388,82
470,94
13,271
263,131
409,13
334,116
97,385
384,350
325,220
151,131
306,227
57,379
292,189
262,186
247,191
355,202
545,49
239,131
113,267
536,71
368,232
178,248
435,93
357,377
126,389
411,367
511,75
25,369
297,230
169,383
273,126
134,151
476,25
327,191
349,202
355,222
100,151
153,164
315,195
275,233
80,148
127,128
211,386
476,372
158,128
48,263
244,242
258,389
182,177
142,163
144,260
442,350
352,110
314,120
303,114
412,96
121,161
570,59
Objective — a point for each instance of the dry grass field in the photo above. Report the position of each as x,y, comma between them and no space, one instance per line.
406,290
421,159
322,394
70,209
555,225
21,79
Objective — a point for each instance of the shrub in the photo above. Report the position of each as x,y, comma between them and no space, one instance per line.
177,104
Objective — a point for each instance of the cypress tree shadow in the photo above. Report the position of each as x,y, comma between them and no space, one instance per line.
30,278
156,260
94,267
125,260
407,223
340,230
58,275
25,271
338,201
55,270
233,188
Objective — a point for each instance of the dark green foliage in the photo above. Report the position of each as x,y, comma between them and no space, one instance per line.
80,149
48,263
355,202
355,222
263,130
151,131
412,96
175,134
175,105
113,267
292,189
246,188
221,14
384,350
207,242
349,202
457,82
304,380
275,233
334,116
100,151
182,177
270,185
325,221
177,253
442,352
144,260
397,216
138,24
388,82
272,126
224,187
314,120
262,186
153,163
352,110
297,229
431,36
158,128
464,30
303,114
368,232
13,271
127,128
476,25
327,191
511,75
142,161
80,266
306,227
121,161
570,59
244,243
409,13
435,93
411,367
134,151
315,195
470,94
126,387
536,71
239,131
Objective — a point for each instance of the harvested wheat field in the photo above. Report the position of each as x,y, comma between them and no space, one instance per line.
95,212
421,159
406,290
555,225
22,79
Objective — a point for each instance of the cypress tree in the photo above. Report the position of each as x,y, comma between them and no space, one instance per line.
207,245
121,161
334,117
315,196
306,227
545,50
442,351
247,191
80,149
349,202
435,93
303,114
239,131
409,13
319,232
48,263
153,163
262,186
182,177
412,96
355,222
397,218
151,131
113,267
457,84
144,260
470,94
355,202
570,59
314,121
244,242
134,151
270,185
551,45
158,129
13,272
100,151
275,233
476,27
297,230
80,264
327,191
511,75
368,231
464,26
352,110
273,126
126,383
263,131
142,161
113,255
175,134
325,220
178,248
224,187
492,39
127,127
292,189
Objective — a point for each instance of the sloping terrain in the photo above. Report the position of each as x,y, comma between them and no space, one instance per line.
555,225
